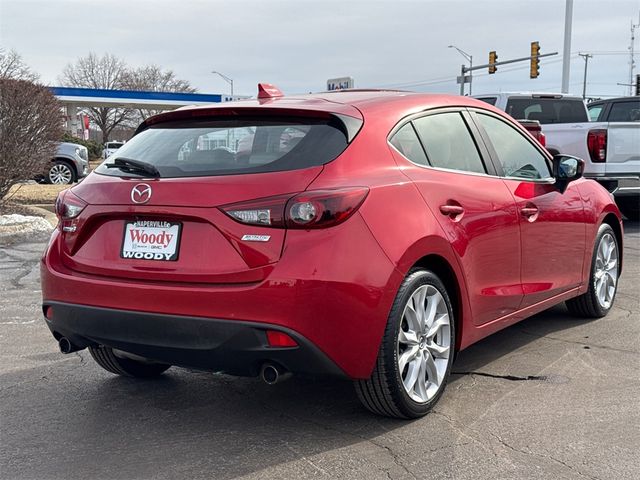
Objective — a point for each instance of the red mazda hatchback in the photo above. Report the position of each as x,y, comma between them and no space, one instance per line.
363,234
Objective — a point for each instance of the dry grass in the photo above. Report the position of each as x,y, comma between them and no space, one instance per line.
34,193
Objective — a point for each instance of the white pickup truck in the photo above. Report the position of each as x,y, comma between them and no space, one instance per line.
610,146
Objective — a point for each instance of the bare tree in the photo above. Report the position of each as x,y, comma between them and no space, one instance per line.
12,66
106,72
30,126
152,78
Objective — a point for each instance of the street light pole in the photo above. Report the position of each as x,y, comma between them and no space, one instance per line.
469,58
566,53
586,57
226,79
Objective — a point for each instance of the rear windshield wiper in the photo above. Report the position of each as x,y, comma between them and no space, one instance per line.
131,165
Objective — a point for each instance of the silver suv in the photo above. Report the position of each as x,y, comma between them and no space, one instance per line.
70,163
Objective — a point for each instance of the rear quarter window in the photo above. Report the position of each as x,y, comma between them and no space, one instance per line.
234,146
547,110
489,100
625,111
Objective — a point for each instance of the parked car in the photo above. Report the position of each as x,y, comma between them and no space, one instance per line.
110,148
610,146
70,163
398,230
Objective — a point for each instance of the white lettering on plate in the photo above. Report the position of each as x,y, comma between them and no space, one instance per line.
256,238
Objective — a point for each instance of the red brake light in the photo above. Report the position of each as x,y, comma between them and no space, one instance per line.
313,209
597,144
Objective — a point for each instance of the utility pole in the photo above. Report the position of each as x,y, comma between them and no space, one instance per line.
632,62
586,57
566,52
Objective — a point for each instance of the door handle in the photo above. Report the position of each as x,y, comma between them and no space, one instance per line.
451,210
529,211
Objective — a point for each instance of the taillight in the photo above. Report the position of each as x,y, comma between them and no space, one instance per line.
266,212
542,139
313,209
68,207
597,144
324,208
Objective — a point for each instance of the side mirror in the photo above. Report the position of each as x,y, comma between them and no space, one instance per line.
566,169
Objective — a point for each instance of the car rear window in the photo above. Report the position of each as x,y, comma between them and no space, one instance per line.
233,146
547,110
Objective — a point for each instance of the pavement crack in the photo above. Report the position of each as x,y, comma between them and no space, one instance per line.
512,378
24,270
394,456
82,361
539,455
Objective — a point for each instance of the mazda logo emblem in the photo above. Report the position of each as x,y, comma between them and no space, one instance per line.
141,193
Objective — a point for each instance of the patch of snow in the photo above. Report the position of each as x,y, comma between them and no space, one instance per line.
23,224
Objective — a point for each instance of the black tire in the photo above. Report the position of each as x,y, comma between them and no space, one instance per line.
127,367
587,304
630,207
57,167
384,393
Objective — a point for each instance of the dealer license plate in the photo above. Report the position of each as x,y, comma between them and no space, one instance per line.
151,240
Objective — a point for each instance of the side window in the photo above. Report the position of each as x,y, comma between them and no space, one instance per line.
406,142
448,142
594,112
489,100
625,112
518,157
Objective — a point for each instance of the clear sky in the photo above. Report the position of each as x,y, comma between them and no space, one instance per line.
299,44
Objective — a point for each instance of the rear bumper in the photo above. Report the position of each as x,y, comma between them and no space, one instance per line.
234,347
330,289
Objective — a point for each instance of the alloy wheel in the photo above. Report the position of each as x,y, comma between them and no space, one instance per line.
60,174
605,276
424,343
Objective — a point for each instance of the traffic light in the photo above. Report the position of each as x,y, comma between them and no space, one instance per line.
535,60
638,85
493,58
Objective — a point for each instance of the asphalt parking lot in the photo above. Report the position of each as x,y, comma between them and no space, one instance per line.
553,397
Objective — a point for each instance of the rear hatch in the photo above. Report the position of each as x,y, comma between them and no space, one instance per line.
183,201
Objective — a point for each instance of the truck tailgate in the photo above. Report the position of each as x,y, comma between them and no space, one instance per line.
623,148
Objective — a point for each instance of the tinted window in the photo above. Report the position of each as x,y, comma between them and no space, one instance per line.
547,110
407,143
594,112
518,157
625,112
489,100
233,146
448,142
